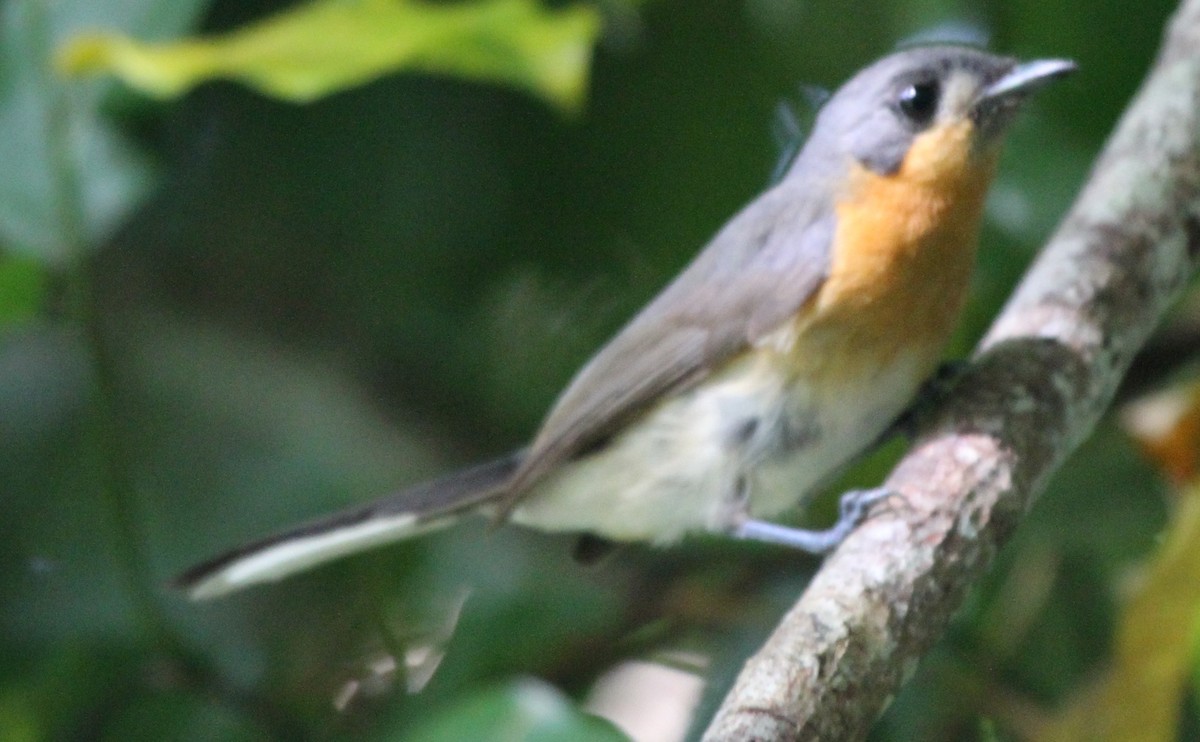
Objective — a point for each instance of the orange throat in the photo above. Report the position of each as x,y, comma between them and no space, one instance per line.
903,254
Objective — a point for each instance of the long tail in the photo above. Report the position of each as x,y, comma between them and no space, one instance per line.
416,510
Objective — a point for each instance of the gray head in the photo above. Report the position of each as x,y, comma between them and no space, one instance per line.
880,112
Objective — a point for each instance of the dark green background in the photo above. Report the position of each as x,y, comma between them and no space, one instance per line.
316,304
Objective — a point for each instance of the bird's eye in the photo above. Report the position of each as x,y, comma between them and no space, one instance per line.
919,101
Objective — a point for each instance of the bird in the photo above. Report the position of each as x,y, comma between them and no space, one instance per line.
779,354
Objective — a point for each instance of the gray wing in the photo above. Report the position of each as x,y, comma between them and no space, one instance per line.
754,275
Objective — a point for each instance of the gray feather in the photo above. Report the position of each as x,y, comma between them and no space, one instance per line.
754,275
411,511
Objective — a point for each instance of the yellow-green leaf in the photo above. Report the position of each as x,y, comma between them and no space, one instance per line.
330,45
1139,699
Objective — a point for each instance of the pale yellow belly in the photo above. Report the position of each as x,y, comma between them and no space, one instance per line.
676,471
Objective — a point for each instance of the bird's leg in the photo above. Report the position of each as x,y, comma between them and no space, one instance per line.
852,509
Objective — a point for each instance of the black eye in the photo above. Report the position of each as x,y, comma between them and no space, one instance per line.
919,101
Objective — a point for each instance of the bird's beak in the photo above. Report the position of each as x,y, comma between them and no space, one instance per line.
1025,78
998,103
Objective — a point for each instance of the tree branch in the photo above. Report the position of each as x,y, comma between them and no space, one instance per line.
1041,379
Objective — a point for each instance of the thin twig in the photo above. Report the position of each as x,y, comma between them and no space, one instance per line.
108,445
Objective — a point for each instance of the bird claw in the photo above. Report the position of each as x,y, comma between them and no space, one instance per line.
853,509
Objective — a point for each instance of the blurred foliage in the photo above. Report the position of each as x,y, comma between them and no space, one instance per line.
224,313
22,288
523,710
1140,696
327,46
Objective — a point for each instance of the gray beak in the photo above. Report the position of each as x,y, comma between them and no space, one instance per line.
1026,77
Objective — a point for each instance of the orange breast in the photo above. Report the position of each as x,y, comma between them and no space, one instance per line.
902,257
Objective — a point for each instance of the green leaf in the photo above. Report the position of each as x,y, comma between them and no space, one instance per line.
180,717
330,45
22,288
69,175
18,720
522,711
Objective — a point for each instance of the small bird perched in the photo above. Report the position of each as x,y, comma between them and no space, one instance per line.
784,350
